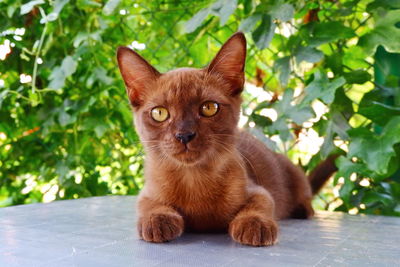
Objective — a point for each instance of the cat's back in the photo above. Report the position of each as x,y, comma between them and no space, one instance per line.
261,162
285,181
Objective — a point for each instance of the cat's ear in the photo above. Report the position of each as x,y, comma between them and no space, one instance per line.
229,62
137,73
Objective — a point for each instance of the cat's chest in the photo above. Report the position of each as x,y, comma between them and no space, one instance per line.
207,201
196,190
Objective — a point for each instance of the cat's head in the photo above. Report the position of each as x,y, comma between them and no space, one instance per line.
186,115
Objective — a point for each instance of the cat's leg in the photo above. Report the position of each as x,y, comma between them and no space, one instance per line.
254,224
157,222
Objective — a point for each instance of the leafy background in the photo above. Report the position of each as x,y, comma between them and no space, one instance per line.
323,79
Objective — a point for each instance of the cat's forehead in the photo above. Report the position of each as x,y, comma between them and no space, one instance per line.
182,77
185,85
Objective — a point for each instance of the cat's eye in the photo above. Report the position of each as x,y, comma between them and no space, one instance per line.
209,108
159,114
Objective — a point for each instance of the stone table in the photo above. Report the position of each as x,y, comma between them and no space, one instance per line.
101,231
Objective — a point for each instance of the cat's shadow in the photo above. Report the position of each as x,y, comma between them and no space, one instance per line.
216,239
199,242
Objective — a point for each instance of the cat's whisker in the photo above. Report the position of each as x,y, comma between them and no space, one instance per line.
230,152
153,147
150,141
223,134
246,159
162,157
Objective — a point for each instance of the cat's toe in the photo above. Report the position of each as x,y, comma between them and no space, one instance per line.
254,231
160,227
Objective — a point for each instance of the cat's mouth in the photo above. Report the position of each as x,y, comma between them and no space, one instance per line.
187,150
187,155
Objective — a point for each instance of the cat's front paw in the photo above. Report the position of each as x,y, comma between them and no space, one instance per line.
160,227
254,230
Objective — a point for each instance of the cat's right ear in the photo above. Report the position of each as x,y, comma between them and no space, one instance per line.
136,72
229,62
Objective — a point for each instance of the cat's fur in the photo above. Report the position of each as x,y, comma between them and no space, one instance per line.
224,179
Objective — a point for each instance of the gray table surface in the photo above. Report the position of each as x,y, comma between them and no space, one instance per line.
101,231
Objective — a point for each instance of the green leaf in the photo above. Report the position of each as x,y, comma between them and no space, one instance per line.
300,115
371,198
334,62
26,8
10,12
309,54
68,65
100,129
261,120
53,15
59,74
326,32
282,105
372,108
249,23
99,74
354,58
328,145
385,33
280,126
386,4
57,79
345,190
375,150
287,110
342,104
3,95
87,4
262,36
346,167
282,66
59,5
110,6
379,112
34,98
227,9
283,12
357,76
387,73
248,6
192,24
340,125
261,136
322,88
64,118
288,113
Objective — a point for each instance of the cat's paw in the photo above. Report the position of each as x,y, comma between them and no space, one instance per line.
160,227
254,230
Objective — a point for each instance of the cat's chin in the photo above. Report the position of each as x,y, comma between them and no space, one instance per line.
188,157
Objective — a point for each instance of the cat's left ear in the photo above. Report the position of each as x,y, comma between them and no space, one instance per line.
137,73
229,62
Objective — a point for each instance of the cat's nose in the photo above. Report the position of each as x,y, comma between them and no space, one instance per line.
185,138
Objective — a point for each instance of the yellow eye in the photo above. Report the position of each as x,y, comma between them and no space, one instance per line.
209,108
159,114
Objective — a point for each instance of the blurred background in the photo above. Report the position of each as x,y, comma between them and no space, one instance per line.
322,79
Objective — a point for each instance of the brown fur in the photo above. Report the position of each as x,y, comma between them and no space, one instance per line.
322,172
222,180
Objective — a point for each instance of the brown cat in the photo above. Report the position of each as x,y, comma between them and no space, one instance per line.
201,172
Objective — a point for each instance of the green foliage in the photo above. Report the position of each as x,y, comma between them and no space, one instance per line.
327,69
